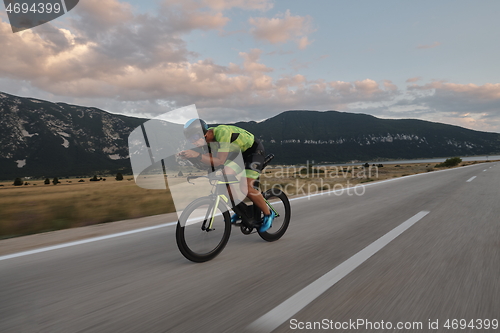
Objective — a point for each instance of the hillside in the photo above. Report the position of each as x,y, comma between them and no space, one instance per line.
40,138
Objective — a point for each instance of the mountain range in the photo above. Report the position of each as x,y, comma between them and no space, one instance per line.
44,139
332,136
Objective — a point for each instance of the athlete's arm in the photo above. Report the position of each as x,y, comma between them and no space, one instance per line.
207,159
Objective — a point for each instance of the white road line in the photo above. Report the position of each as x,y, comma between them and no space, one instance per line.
471,179
83,241
277,316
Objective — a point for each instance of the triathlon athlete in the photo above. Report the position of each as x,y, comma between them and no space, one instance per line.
228,138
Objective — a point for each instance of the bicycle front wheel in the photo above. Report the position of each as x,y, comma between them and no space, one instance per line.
277,201
202,231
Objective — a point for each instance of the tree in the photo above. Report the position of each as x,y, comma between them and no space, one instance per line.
180,174
47,181
119,176
18,182
55,181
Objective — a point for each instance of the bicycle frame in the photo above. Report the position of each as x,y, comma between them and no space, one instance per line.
248,220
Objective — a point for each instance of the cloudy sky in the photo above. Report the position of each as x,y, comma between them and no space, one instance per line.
252,59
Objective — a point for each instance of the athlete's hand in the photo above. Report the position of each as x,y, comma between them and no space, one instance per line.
189,154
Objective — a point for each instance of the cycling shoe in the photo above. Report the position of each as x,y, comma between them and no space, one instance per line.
235,218
267,221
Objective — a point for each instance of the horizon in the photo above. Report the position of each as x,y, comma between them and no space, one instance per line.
251,59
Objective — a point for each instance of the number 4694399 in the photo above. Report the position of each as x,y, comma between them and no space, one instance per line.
40,8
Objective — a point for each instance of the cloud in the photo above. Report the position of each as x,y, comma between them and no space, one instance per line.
303,42
282,28
262,5
188,15
251,64
468,105
464,94
389,86
414,79
100,15
429,46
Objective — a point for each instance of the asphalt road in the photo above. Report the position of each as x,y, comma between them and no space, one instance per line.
420,249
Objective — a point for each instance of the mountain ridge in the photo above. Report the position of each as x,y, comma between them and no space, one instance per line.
333,136
46,139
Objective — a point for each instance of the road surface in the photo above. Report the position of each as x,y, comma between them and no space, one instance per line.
415,252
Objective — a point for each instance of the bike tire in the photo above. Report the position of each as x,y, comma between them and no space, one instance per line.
196,244
280,202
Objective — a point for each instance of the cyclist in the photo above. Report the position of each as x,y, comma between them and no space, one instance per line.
253,157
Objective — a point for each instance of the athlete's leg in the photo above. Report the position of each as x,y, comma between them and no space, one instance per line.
230,189
254,195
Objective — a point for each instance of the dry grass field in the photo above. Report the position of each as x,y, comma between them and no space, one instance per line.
37,207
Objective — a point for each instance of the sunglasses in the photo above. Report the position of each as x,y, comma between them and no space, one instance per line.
195,137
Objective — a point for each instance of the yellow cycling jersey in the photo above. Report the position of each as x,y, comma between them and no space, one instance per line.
231,138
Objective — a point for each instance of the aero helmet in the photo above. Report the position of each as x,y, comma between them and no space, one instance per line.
195,129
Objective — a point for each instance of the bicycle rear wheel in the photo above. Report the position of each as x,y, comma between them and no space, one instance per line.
278,201
199,238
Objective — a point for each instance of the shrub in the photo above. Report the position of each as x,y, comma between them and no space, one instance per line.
47,181
55,181
119,176
18,182
450,162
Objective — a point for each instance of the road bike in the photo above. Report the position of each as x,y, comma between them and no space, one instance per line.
204,227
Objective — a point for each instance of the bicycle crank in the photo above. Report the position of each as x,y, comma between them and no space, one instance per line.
246,230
